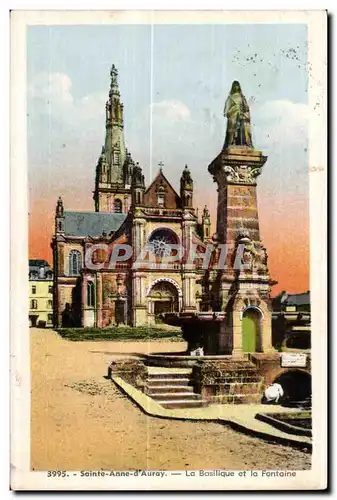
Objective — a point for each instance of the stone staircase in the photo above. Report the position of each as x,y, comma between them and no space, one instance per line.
172,388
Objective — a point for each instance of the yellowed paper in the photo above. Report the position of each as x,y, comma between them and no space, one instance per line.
161,86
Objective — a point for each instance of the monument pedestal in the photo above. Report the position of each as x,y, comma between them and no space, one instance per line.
244,285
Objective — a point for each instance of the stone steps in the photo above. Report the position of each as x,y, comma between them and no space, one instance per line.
173,389
157,389
168,381
183,403
170,396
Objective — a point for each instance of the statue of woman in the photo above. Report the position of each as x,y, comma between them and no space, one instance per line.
238,118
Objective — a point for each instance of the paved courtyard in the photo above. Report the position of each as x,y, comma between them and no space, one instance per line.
80,420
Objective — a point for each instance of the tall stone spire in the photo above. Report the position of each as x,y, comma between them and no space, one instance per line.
114,137
115,165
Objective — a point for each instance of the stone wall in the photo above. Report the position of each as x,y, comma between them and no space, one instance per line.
132,371
228,381
269,366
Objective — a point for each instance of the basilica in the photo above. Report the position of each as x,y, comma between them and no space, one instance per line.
88,290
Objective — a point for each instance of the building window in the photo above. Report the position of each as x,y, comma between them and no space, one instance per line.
33,304
90,294
117,206
161,200
161,240
50,304
50,289
33,289
75,263
50,318
116,157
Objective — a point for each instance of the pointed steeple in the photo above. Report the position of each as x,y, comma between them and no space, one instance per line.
114,108
137,185
115,150
115,165
206,224
59,207
186,188
59,217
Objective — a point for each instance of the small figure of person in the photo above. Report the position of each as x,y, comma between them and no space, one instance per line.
273,393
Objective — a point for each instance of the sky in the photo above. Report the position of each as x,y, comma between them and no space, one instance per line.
174,80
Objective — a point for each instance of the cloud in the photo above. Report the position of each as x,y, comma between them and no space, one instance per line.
63,129
172,111
66,134
281,121
50,93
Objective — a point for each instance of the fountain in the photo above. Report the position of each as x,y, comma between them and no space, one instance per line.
240,319
230,356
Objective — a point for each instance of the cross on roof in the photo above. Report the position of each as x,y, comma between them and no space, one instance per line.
160,165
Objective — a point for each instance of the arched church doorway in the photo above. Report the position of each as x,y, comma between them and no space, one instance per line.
251,324
296,385
163,297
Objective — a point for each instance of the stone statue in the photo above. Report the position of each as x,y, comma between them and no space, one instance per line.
238,118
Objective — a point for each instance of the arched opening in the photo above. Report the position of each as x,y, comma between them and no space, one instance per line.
163,297
296,385
251,325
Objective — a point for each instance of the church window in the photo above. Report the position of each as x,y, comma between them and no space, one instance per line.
161,200
33,304
50,304
161,241
90,294
50,289
75,263
50,318
117,206
33,289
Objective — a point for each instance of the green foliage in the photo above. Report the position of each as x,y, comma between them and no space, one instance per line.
122,333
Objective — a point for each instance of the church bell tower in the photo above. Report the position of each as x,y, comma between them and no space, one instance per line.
114,168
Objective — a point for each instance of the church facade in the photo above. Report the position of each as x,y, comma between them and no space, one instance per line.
125,262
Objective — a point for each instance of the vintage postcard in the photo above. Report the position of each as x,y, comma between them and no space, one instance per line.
168,250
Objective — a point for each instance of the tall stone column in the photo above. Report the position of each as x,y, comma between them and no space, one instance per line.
188,285
138,236
99,297
188,274
139,298
84,297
